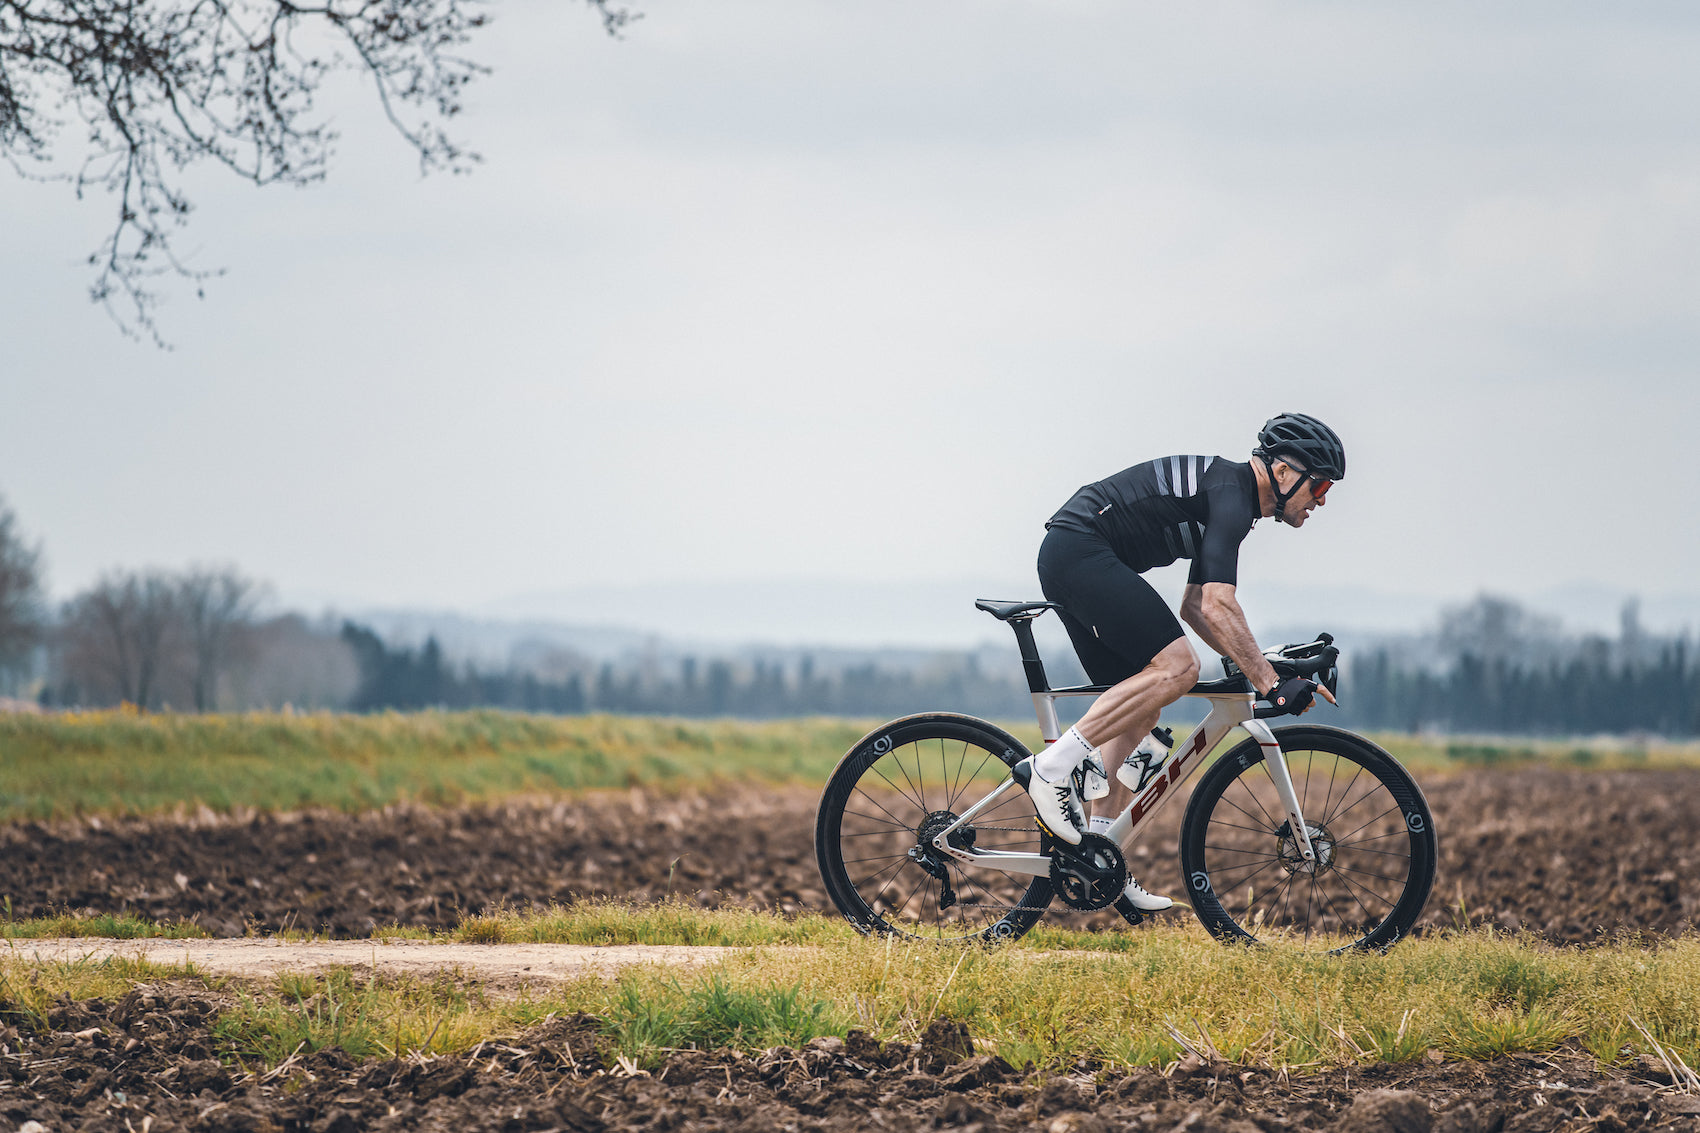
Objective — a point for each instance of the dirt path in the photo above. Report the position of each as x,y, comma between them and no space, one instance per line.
499,966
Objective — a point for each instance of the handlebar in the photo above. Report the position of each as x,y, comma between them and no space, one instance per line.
1317,660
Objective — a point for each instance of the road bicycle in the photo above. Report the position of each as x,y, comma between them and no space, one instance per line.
1306,835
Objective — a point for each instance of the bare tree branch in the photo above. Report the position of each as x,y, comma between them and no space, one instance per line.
214,603
162,84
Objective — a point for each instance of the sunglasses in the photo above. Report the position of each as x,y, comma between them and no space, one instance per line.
1318,487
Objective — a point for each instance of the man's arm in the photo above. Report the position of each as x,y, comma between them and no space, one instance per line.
1214,611
1192,613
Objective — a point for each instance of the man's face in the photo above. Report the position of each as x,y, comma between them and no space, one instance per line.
1312,495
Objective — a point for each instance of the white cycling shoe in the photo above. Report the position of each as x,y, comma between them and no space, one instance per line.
1057,804
1136,896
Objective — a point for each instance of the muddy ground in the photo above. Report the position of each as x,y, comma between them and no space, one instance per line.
146,1063
1568,855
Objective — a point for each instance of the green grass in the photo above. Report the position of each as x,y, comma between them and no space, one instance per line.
1116,999
110,926
1473,995
121,762
670,922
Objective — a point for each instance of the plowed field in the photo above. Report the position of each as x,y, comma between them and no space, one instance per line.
1567,855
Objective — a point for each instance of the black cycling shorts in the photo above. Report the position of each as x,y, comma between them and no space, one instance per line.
1117,621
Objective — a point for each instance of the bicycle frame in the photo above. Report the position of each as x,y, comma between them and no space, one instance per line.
1228,709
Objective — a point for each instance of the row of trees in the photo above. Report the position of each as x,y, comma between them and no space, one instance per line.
1493,667
192,639
404,677
189,640
196,639
1584,695
133,635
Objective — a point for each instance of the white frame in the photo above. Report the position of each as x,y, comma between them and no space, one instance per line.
1228,710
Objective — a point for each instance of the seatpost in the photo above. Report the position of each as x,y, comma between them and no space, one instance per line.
1036,679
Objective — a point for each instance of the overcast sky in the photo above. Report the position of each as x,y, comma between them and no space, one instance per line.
864,291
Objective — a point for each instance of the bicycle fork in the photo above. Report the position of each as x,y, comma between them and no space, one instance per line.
1276,761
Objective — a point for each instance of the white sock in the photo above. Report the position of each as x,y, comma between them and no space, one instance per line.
1061,758
1100,824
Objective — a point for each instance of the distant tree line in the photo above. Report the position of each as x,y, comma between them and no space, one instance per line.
198,640
404,677
1494,667
189,640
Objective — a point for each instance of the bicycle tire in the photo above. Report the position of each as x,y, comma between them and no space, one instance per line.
1371,827
889,786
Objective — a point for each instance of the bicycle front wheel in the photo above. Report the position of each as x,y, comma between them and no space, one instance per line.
1369,826
891,796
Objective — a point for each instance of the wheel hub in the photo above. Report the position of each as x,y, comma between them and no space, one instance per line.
1292,857
924,854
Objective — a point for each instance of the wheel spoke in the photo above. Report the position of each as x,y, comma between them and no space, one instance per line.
1329,815
898,822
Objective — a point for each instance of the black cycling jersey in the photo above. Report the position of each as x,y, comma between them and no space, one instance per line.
1191,507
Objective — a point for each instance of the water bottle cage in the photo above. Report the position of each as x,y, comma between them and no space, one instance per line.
1090,778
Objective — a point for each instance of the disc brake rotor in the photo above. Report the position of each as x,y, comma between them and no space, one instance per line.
1292,857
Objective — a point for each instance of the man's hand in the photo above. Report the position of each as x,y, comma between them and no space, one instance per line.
1293,695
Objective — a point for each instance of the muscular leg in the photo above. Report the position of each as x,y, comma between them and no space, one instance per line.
1121,717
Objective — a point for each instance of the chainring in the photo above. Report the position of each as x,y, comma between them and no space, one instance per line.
1088,876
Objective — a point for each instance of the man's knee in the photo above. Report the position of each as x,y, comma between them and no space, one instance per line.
1178,664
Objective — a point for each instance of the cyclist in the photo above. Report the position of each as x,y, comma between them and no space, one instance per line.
1095,551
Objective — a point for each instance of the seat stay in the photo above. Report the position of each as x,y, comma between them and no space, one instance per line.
1037,865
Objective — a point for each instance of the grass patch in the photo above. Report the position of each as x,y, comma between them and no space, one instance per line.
30,988
366,1016
669,922
1116,998
645,1022
120,762
110,926
1053,999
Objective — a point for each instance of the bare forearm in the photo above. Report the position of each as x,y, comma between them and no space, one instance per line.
1221,613
1193,614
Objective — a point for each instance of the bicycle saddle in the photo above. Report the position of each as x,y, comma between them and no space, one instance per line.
1004,611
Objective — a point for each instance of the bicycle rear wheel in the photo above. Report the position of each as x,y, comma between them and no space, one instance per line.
1369,825
891,795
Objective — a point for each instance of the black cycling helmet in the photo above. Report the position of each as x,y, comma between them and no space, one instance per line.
1312,444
